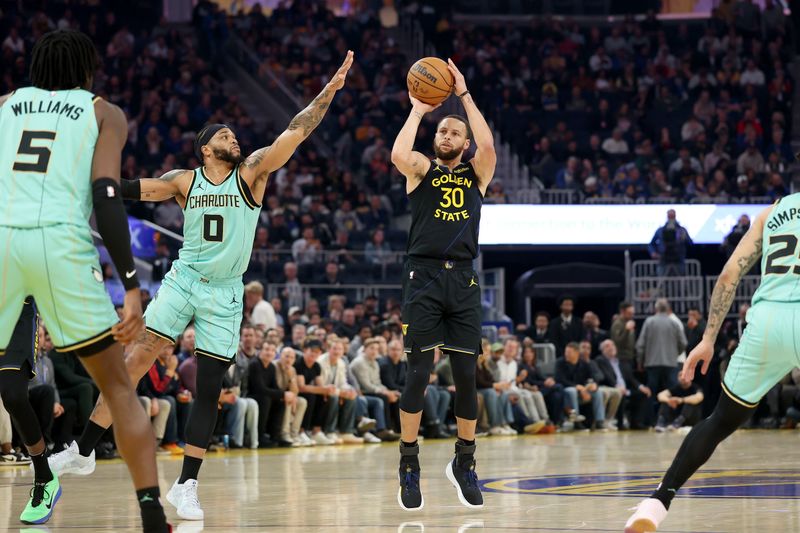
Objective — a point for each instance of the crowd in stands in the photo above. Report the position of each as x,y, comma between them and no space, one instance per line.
298,380
691,111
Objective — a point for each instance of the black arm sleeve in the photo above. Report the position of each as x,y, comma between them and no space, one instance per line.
131,189
112,224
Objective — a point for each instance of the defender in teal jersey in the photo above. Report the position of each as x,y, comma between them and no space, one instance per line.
221,205
767,350
60,151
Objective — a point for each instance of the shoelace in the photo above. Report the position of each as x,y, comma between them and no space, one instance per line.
411,479
190,496
38,493
471,476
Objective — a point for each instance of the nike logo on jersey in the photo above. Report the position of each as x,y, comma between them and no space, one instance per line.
129,275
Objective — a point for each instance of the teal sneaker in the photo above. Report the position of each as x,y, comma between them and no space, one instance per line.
42,503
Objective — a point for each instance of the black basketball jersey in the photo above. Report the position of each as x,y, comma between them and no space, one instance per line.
446,214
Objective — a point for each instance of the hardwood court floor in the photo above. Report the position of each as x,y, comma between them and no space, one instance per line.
547,483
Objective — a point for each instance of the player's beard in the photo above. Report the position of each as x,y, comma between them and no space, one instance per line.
227,156
447,155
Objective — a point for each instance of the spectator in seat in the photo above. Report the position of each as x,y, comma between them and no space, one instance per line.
565,328
74,384
367,371
163,261
186,345
294,407
340,422
669,247
162,386
272,400
617,373
612,396
592,332
579,386
293,291
539,332
309,381
495,395
377,251
660,343
258,311
616,145
530,402
534,380
680,406
308,249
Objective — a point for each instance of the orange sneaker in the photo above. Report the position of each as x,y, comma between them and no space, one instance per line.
172,448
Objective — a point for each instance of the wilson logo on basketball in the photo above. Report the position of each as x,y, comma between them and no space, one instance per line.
422,70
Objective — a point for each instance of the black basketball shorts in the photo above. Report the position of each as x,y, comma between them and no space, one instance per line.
24,341
441,306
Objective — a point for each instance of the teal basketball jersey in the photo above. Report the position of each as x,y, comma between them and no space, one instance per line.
219,226
780,268
47,141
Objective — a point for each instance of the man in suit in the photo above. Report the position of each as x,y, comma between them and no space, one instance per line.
619,372
565,328
592,332
539,331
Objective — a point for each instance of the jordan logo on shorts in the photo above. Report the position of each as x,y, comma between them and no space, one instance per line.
472,282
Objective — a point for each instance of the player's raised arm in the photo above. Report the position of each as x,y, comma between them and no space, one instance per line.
270,158
746,254
485,157
413,165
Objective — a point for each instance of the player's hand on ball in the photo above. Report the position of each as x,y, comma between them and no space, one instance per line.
702,352
132,324
460,86
421,106
338,79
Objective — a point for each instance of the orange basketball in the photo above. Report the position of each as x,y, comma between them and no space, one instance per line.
430,81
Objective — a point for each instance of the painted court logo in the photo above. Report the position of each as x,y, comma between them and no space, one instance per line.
775,484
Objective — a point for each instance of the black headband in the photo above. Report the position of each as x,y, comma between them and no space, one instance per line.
204,136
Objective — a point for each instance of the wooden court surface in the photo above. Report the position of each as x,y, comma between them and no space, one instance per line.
562,482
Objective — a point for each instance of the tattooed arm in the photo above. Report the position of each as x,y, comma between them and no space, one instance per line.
263,161
174,183
747,253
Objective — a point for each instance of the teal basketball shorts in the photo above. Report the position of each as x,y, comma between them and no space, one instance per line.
214,305
768,350
60,267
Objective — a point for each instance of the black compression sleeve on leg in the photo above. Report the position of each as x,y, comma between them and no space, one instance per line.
112,224
14,392
464,367
420,366
131,189
203,418
700,443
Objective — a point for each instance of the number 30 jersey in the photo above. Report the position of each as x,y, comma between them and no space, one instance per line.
47,141
445,214
780,267
219,226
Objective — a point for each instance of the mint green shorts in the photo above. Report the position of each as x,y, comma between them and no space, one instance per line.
59,266
215,306
768,350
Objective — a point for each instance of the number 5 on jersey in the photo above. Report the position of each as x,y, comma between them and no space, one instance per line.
213,228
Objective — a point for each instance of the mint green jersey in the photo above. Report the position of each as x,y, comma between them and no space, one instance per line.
47,141
780,266
219,226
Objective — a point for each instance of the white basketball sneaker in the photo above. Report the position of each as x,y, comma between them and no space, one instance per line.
649,514
184,499
70,461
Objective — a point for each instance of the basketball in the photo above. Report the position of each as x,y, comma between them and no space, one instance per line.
430,81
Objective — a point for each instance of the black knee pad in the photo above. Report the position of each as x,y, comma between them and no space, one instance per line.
464,367
420,366
203,418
